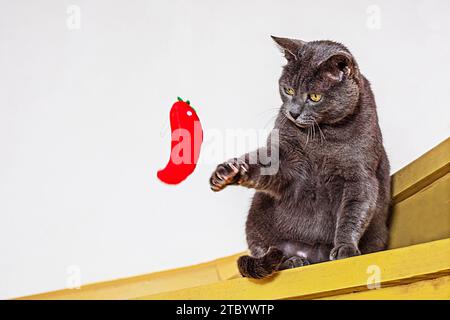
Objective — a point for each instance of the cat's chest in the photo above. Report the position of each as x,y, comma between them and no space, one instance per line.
315,190
317,167
309,205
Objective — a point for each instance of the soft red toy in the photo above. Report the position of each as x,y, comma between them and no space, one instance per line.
187,138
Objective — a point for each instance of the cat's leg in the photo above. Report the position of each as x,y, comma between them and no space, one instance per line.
354,216
261,266
376,236
248,171
261,238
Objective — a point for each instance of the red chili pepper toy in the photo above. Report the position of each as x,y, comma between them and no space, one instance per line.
187,138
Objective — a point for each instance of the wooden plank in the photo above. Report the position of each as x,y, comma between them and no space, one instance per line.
423,217
434,289
421,172
397,266
133,287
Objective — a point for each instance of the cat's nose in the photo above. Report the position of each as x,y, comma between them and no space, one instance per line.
294,110
294,113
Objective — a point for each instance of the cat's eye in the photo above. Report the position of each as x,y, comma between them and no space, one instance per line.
315,97
289,91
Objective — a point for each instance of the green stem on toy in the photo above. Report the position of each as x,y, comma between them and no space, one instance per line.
188,102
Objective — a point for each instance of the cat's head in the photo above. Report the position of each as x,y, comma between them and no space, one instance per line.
319,83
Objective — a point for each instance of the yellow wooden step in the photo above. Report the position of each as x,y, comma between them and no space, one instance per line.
418,267
431,289
396,267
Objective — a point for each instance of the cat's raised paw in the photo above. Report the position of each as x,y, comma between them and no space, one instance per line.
227,173
343,251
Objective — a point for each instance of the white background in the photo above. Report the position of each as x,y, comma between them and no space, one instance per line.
83,113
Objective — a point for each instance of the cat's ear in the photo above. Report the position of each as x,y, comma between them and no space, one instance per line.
338,65
290,47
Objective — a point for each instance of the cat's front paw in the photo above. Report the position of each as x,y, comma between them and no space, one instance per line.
342,251
230,172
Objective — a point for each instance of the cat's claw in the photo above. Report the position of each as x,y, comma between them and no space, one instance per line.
227,173
343,251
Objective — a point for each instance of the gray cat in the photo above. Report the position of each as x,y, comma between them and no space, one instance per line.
330,197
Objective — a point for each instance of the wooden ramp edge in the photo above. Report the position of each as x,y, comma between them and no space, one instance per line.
389,268
421,215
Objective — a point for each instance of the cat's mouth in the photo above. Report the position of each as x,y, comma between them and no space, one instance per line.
301,123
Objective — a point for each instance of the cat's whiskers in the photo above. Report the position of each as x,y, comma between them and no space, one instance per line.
272,118
314,131
322,136
307,135
264,112
284,119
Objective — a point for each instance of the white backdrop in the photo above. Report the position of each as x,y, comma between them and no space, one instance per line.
84,107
